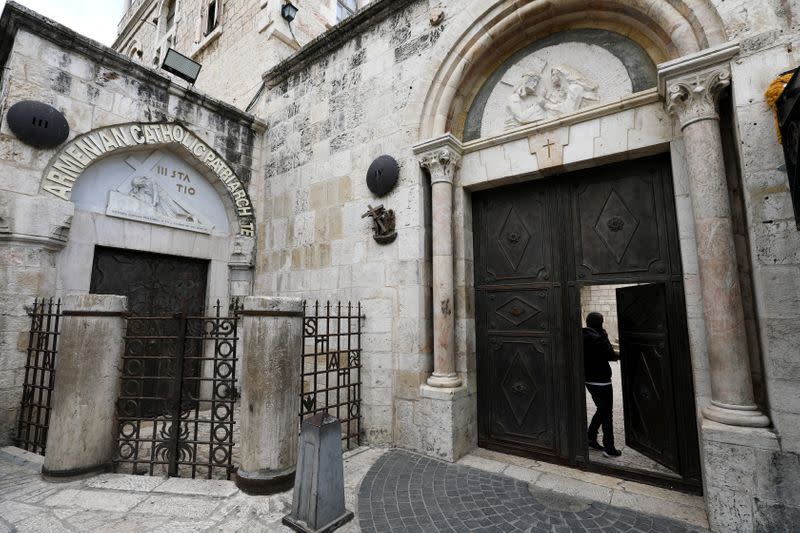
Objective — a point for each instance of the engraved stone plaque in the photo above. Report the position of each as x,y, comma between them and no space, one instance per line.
558,76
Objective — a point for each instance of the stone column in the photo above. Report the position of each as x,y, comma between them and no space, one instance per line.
272,332
83,423
441,160
692,99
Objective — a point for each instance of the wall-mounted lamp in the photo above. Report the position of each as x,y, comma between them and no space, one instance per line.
289,12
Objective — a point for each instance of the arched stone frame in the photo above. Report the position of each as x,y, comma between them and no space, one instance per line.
691,30
666,30
231,256
135,50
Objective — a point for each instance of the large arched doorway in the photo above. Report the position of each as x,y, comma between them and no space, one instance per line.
531,94
543,252
545,249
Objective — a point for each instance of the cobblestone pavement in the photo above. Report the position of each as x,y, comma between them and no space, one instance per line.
401,491
122,503
412,493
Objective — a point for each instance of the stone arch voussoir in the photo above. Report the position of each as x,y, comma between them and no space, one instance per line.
72,159
666,29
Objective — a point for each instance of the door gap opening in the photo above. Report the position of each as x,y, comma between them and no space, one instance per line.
626,391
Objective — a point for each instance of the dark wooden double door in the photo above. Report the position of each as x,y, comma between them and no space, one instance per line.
162,291
156,285
536,245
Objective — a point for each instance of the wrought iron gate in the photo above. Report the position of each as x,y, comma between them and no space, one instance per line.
332,366
34,414
177,396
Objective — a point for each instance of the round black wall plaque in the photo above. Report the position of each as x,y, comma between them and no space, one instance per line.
38,124
382,175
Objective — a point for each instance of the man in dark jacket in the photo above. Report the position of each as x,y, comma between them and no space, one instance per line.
597,352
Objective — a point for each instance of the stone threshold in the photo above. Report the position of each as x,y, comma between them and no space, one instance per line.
212,488
591,486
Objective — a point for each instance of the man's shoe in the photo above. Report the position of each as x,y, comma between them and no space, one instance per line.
593,444
613,452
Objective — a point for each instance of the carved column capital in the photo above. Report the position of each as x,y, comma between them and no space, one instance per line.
441,163
693,97
441,157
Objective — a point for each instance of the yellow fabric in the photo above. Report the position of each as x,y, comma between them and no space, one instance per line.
774,92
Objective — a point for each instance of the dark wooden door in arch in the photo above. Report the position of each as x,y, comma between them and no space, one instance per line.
536,244
157,286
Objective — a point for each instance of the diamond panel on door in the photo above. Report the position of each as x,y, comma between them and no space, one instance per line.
522,375
619,223
518,310
515,238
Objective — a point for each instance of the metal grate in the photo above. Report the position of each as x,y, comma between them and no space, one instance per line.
177,396
37,390
332,366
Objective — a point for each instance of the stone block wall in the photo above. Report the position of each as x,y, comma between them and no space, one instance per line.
359,95
775,263
93,87
331,117
774,237
251,38
327,122
602,299
141,45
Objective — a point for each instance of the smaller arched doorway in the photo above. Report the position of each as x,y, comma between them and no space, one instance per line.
160,218
153,189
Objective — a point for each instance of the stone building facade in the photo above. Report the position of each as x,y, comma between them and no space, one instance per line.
520,127
251,35
107,100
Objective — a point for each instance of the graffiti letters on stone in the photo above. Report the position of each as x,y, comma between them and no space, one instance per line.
81,152
549,93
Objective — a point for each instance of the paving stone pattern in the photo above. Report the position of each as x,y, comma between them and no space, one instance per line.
126,503
412,493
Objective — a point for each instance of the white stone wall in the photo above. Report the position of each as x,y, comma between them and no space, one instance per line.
251,38
602,299
328,123
747,18
774,238
323,137
334,114
775,263
141,15
43,239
